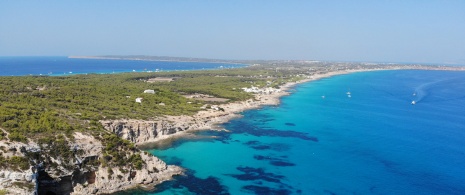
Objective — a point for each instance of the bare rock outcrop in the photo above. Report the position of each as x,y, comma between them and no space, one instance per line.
86,175
10,178
139,131
109,180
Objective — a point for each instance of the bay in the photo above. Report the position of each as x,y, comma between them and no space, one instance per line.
374,142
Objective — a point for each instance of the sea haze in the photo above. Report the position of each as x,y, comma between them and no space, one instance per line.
57,66
374,142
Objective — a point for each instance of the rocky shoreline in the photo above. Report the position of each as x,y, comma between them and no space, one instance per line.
82,179
104,180
142,132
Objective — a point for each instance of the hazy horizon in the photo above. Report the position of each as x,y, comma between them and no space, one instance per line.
356,31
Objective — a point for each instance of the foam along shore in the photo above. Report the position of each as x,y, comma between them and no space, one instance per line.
145,132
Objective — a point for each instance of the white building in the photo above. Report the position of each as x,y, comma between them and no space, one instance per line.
151,91
139,100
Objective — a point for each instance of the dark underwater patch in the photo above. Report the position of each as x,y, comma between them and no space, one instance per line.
265,120
282,163
262,146
275,161
251,174
290,124
266,190
240,126
199,136
209,186
172,160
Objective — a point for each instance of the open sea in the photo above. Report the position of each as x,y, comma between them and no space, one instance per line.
374,142
59,66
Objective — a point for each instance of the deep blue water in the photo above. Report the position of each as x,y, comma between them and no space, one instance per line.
14,66
374,142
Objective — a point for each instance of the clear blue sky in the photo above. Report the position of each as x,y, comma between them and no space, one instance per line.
373,30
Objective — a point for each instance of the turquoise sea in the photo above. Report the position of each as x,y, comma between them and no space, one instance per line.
374,142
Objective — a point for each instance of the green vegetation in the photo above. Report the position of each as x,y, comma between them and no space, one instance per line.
14,162
120,152
48,110
33,106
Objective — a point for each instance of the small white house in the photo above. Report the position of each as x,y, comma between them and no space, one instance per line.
139,100
151,91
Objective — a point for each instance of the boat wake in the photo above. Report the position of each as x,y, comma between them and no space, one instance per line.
421,91
435,91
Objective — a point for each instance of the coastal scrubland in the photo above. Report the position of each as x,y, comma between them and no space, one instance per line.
49,110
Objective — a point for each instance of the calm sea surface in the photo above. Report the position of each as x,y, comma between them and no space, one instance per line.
374,142
10,66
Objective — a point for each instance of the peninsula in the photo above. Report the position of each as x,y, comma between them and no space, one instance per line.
82,134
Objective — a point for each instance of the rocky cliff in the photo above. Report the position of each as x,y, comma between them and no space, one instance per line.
83,173
147,131
142,132
108,180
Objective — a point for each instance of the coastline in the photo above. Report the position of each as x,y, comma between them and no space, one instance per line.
172,128
150,132
145,134
166,129
305,112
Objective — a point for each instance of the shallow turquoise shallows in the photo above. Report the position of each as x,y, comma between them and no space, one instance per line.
373,142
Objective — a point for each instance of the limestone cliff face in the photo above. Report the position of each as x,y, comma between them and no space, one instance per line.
14,180
139,131
85,176
105,181
142,132
8,178
102,180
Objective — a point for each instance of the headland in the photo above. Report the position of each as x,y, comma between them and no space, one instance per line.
86,139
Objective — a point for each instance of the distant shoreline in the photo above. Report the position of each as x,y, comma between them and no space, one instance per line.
249,62
161,59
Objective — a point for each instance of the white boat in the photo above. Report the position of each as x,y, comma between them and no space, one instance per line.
414,94
413,102
348,93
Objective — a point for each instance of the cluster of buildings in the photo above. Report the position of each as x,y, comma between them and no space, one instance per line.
267,90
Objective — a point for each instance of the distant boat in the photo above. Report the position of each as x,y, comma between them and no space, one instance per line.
349,95
323,96
414,94
413,102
